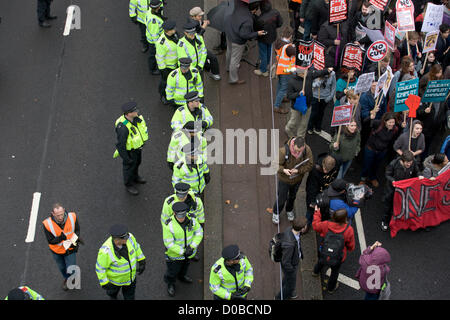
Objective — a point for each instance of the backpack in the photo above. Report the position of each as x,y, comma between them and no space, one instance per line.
275,250
332,249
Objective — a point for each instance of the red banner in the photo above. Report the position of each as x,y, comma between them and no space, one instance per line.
319,56
379,4
353,57
338,11
420,203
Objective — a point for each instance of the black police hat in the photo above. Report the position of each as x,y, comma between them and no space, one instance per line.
129,107
155,3
180,209
169,25
231,252
119,231
190,26
191,96
182,188
17,294
185,62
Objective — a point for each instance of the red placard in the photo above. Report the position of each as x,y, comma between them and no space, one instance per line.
379,4
353,57
405,15
342,115
304,54
389,34
377,51
319,56
338,11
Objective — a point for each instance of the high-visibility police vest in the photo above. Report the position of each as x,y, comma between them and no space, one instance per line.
179,139
222,283
195,211
31,293
285,62
154,27
118,271
176,239
193,175
137,135
177,86
69,230
141,6
166,53
196,52
183,115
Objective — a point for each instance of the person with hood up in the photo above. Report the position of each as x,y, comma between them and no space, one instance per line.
371,282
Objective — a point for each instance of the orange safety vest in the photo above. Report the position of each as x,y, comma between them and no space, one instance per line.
284,62
69,230
298,1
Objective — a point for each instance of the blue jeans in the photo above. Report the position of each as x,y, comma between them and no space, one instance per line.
372,160
283,80
63,262
344,168
265,51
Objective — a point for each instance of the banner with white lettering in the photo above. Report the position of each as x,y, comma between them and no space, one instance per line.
405,15
353,57
338,11
436,91
305,54
389,34
420,203
319,56
379,4
402,91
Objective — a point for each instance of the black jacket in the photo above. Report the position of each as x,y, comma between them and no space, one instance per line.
295,85
269,20
327,36
432,122
395,172
318,12
239,25
290,251
122,136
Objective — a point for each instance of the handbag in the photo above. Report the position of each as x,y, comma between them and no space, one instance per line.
385,292
300,104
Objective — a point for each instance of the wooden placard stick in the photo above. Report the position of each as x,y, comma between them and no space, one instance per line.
339,134
424,63
410,134
356,106
407,44
348,79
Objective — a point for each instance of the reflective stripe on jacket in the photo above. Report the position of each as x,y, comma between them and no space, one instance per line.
196,210
196,52
284,62
137,135
166,53
154,27
176,239
183,115
69,230
193,175
177,86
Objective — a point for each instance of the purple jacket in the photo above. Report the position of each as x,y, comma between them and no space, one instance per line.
378,257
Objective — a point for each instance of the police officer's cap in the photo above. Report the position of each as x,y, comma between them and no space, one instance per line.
231,252
155,3
190,27
181,188
185,62
17,294
129,107
191,96
169,25
119,231
180,209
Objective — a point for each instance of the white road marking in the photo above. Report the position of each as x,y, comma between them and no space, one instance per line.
325,135
360,230
33,217
68,26
346,280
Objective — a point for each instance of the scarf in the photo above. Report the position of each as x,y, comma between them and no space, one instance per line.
295,154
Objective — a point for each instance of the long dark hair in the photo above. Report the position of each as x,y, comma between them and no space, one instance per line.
386,117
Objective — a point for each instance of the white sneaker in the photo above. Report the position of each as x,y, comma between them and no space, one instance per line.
275,218
290,215
265,74
215,77
258,72
317,131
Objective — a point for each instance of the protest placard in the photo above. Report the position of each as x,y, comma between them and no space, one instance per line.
305,54
365,82
374,35
319,56
384,82
338,11
402,91
433,17
377,51
342,115
436,91
379,4
353,57
405,15
430,41
389,34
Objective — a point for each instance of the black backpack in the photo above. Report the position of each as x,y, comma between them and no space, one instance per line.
332,249
275,251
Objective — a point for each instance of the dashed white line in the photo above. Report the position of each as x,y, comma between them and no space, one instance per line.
33,217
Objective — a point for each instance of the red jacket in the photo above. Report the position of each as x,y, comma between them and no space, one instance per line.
322,228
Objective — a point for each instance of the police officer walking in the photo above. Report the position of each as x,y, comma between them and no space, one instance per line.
118,260
132,134
192,110
182,236
166,55
154,20
137,10
231,277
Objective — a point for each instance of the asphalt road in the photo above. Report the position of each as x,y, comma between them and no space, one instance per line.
60,97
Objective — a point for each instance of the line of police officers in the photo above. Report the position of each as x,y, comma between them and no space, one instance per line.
121,258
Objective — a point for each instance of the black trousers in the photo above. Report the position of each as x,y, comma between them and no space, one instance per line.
388,200
152,65
143,31
163,81
212,64
286,196
127,291
130,171
289,284
175,269
43,9
333,276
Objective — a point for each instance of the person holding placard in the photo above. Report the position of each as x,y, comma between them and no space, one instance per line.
346,146
415,46
428,63
434,74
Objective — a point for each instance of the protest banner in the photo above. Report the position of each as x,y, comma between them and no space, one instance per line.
436,91
364,82
319,56
377,51
342,115
433,17
420,203
304,54
389,34
379,4
353,57
402,91
405,15
430,41
338,11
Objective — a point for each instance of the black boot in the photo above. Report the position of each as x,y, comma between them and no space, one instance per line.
171,290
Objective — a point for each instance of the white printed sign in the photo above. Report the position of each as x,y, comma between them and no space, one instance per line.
433,17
